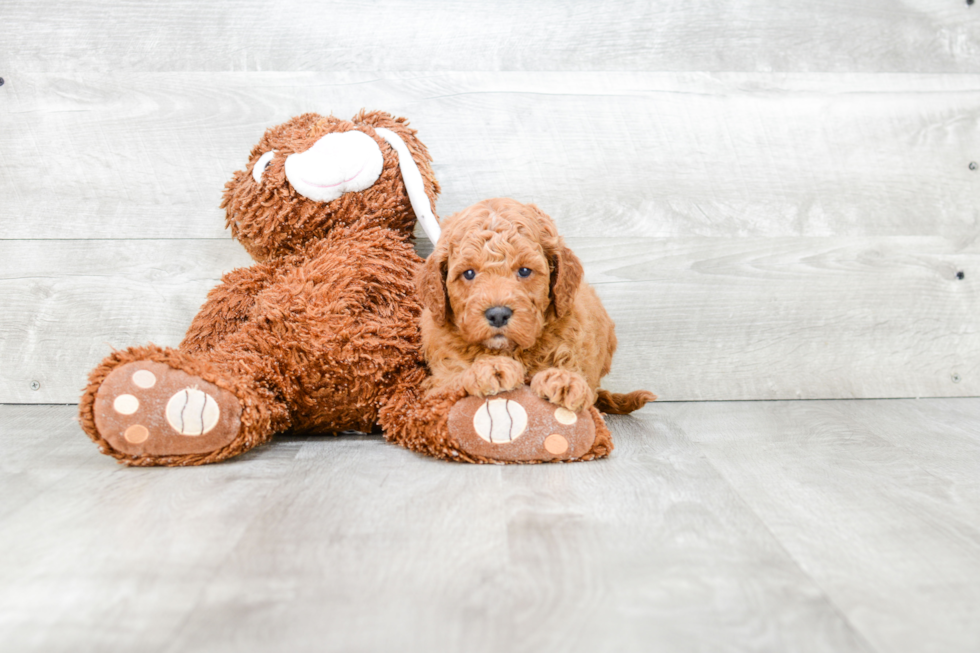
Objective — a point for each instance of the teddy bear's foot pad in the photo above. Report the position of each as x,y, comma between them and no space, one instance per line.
519,426
148,408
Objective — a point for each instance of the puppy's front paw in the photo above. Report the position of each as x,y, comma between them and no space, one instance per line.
564,388
490,376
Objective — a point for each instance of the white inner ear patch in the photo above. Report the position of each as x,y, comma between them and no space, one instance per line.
500,420
338,163
259,168
192,412
413,184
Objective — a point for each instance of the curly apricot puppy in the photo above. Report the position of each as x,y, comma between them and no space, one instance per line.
504,299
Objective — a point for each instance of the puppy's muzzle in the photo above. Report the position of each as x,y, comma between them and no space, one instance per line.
497,316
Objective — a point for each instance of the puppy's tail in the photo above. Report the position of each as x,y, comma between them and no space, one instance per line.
618,404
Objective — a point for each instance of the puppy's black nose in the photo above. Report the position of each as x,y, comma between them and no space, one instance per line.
497,316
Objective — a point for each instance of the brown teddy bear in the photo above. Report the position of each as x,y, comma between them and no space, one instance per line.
321,334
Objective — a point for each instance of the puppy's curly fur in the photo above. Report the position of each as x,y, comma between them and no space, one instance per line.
504,300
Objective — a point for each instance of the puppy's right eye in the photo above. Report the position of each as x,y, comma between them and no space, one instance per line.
469,274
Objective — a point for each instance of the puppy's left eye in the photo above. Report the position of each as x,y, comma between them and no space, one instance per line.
469,274
524,272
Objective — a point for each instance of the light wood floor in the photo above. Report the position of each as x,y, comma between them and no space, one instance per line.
777,526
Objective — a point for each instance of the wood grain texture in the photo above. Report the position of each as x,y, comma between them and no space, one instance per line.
68,303
697,318
871,499
251,35
791,318
607,154
341,544
772,197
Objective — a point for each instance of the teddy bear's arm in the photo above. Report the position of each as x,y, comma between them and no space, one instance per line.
226,309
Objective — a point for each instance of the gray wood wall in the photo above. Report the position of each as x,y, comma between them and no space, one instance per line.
774,199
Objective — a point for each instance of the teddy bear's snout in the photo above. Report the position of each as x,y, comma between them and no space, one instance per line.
338,163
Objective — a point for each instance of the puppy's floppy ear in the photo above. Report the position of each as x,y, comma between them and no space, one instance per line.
431,284
566,275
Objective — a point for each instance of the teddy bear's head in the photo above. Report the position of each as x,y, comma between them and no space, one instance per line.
314,173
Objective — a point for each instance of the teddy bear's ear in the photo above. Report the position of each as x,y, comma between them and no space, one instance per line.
430,282
420,181
414,184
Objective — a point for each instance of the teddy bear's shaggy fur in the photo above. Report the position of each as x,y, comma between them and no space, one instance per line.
316,336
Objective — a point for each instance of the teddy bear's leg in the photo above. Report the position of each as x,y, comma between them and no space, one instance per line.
419,422
160,406
156,406
226,309
512,427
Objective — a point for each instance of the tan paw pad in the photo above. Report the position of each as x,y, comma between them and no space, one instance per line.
136,433
146,408
556,444
565,416
144,379
519,426
126,404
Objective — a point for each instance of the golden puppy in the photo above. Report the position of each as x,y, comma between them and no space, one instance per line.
504,299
